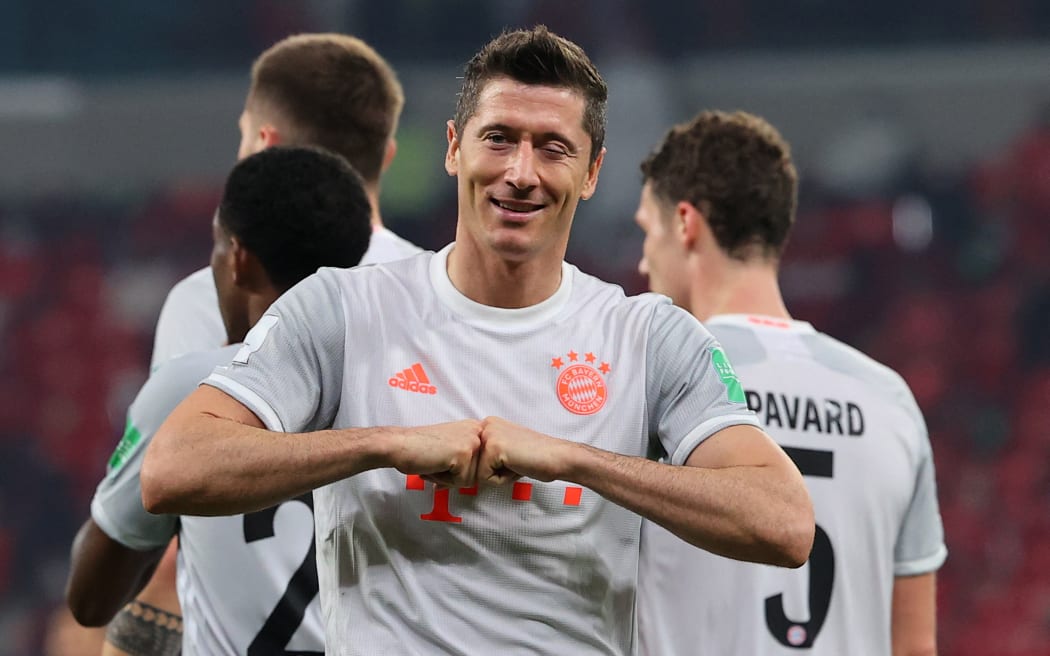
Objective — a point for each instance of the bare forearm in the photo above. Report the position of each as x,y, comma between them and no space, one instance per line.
205,465
104,575
914,623
141,629
753,513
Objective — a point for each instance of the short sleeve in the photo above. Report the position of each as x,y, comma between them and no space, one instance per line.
289,371
692,391
920,544
117,504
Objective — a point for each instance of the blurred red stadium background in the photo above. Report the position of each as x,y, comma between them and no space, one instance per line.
923,235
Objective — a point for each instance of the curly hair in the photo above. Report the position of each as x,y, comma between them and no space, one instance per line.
737,170
297,209
537,56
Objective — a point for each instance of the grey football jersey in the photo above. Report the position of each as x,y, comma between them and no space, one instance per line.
243,581
856,433
530,568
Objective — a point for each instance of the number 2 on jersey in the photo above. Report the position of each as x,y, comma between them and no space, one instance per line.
287,615
801,635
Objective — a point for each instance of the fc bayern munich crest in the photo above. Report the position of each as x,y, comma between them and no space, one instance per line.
581,386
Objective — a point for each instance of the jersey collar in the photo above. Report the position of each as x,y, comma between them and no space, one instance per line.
754,321
503,319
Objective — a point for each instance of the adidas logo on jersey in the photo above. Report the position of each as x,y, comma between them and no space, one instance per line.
413,379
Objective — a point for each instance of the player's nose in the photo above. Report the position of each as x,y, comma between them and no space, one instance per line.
521,167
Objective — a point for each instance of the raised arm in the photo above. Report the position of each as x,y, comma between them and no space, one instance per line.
213,456
739,495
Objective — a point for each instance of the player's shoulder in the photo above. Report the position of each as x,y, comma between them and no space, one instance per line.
197,283
190,363
172,382
394,283
193,295
591,291
183,373
851,361
376,273
386,246
646,315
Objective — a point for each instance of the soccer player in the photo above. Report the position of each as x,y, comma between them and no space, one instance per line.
247,582
328,90
717,205
477,419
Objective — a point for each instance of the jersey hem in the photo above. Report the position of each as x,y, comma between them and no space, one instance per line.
923,565
108,526
253,401
705,430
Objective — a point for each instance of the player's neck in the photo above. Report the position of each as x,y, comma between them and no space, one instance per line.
484,277
372,191
741,289
258,304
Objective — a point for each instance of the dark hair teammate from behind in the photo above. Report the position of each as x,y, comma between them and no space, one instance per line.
245,586
252,222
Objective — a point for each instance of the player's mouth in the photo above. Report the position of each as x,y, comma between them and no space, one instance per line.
516,210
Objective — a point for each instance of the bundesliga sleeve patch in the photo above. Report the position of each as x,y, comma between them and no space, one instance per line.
126,447
722,367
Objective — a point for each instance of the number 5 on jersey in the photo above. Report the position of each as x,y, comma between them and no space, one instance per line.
801,635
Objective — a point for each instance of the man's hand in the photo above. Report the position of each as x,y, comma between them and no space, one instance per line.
468,452
510,451
445,454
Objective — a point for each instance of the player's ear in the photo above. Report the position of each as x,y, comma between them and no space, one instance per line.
689,223
269,136
592,176
389,152
245,267
452,154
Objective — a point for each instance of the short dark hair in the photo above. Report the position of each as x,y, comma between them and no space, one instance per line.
297,209
334,91
737,169
537,56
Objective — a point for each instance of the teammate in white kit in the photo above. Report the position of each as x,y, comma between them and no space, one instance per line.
285,212
327,90
458,368
717,205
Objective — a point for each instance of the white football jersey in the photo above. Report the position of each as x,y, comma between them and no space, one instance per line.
247,583
190,320
858,437
409,570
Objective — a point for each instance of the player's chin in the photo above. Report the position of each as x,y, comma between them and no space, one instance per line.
514,245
